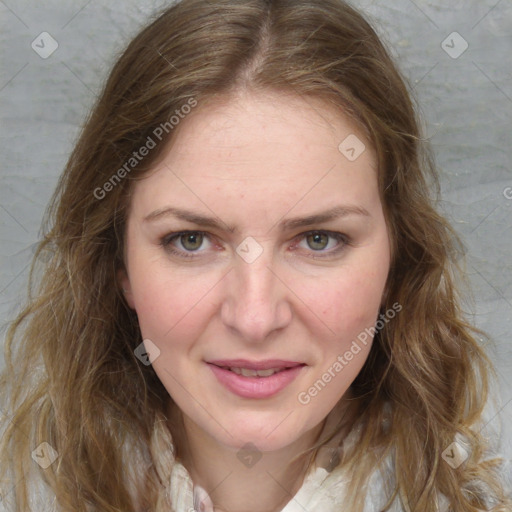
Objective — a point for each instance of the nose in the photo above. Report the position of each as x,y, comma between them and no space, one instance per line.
256,300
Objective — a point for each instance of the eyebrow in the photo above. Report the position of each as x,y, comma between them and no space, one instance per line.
334,213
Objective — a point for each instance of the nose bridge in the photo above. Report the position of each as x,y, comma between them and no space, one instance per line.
257,283
255,303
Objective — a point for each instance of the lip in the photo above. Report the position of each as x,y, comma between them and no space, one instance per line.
256,387
256,365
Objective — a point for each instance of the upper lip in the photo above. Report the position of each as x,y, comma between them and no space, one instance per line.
256,365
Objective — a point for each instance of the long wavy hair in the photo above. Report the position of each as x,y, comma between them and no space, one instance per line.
72,378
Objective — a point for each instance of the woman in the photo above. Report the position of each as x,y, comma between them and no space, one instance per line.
249,299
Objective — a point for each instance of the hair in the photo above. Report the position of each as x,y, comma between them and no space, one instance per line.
71,376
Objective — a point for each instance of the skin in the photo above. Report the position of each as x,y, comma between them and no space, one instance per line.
253,161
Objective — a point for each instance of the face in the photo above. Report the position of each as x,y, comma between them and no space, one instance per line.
258,237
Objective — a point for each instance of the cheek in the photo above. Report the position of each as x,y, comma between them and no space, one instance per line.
169,305
347,305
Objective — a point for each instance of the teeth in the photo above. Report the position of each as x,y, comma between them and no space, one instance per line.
254,373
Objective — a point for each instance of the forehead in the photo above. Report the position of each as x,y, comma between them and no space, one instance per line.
265,120
272,148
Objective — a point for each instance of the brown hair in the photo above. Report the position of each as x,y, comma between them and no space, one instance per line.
74,380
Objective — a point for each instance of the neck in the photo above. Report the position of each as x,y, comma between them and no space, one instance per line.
266,486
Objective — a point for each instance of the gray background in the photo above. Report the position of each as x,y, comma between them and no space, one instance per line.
466,103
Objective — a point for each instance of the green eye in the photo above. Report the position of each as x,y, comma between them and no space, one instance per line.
317,241
323,244
187,244
191,241
197,244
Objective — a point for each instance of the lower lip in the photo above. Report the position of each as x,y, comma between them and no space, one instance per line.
255,387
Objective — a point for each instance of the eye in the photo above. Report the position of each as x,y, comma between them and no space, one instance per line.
192,244
324,242
191,241
317,241
184,242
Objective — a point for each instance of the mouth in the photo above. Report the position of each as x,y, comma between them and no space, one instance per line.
249,372
243,379
249,368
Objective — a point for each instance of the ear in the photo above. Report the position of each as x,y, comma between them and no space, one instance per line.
124,283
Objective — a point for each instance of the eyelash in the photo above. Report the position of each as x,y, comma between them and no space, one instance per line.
167,240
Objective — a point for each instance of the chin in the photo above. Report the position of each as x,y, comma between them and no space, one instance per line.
266,436
246,441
